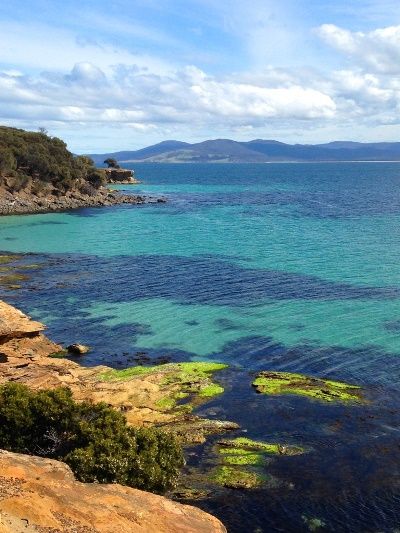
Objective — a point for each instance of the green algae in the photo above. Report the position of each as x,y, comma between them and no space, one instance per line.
237,478
244,443
242,461
241,457
180,380
58,355
183,372
211,390
126,373
279,383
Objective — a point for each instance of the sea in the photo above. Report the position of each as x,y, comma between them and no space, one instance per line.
287,267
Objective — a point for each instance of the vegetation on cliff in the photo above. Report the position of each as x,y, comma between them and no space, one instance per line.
35,158
93,439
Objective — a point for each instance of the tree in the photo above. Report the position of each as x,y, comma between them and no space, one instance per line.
111,162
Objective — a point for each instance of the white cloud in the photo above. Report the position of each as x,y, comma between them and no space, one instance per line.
378,50
87,94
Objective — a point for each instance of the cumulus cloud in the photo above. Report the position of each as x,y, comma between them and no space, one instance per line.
131,95
66,82
378,50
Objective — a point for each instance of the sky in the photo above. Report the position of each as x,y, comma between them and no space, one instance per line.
123,74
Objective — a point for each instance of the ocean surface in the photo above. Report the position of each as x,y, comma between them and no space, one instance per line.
291,267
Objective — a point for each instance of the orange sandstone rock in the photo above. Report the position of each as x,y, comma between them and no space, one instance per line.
42,495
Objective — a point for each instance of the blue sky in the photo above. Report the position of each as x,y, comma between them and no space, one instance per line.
127,73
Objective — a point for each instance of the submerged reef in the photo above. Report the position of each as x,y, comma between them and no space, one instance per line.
279,383
13,271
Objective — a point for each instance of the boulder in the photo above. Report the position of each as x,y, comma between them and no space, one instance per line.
77,349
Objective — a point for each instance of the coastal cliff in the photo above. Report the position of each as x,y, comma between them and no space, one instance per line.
38,493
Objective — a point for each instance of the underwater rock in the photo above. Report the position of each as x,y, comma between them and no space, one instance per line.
279,383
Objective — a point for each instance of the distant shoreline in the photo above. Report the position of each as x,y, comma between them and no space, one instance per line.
251,162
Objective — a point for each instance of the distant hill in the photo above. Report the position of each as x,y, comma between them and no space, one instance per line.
256,151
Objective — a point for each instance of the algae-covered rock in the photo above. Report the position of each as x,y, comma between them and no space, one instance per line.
243,462
180,380
236,478
325,390
246,444
191,429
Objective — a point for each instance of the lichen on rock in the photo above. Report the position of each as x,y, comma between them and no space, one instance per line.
280,383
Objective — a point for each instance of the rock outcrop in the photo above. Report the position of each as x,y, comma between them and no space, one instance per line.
42,495
120,175
26,201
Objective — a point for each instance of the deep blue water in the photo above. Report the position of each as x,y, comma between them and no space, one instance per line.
289,267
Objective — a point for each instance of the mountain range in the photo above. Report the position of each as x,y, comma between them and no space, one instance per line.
256,151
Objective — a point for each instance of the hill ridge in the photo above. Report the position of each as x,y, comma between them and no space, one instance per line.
255,151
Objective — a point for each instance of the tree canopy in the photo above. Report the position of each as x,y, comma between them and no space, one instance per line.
111,162
26,155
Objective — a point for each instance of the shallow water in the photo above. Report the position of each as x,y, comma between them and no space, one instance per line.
281,266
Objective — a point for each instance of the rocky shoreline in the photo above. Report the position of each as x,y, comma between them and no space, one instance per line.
146,397
27,203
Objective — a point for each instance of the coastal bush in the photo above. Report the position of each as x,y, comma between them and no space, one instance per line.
93,439
111,162
38,156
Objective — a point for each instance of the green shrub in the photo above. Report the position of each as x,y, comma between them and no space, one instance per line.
93,439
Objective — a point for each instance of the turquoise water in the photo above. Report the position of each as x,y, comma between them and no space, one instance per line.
337,223
280,266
